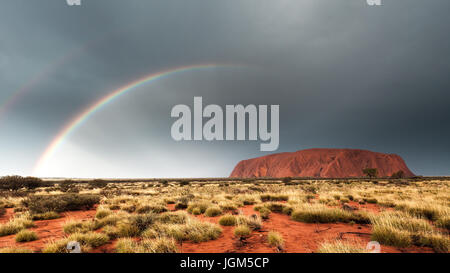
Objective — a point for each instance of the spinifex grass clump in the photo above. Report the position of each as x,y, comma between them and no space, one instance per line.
254,221
74,226
242,231
426,210
213,211
444,222
15,250
87,241
156,245
201,207
264,213
46,216
274,197
16,224
146,208
228,220
177,217
26,236
102,213
339,246
389,235
275,239
400,229
193,230
317,213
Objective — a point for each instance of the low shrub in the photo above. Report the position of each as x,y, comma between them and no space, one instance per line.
61,202
15,183
98,183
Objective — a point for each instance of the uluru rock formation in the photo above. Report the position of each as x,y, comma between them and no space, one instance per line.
326,163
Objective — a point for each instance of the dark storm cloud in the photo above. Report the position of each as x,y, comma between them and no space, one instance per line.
344,74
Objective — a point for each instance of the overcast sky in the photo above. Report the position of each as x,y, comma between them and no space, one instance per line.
346,75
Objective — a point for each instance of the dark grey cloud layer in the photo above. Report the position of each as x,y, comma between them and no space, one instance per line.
344,74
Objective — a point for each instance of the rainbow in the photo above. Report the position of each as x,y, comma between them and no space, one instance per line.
42,75
91,110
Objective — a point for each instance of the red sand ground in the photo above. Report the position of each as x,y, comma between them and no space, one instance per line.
47,230
298,237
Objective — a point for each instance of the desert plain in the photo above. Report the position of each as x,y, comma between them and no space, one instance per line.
227,215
